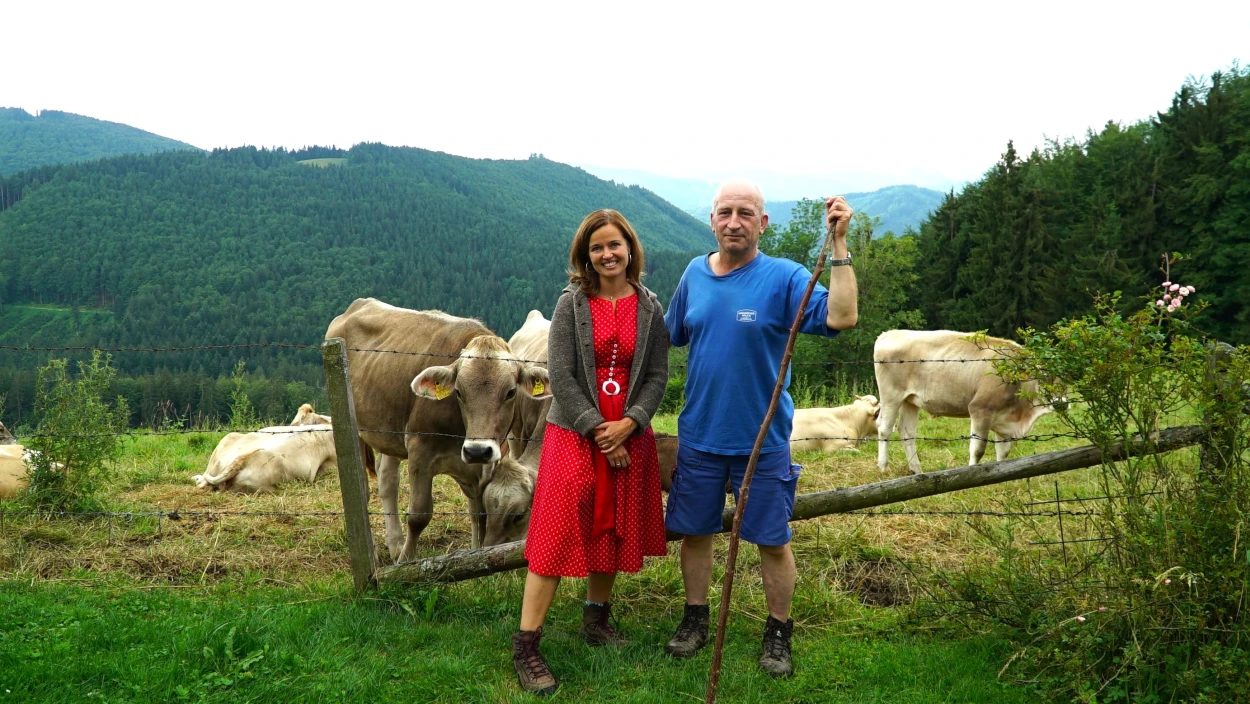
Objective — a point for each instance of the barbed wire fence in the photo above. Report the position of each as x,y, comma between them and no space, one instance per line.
364,567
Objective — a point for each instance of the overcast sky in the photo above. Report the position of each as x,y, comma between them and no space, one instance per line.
866,96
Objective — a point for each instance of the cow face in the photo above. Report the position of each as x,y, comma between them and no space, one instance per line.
485,382
506,500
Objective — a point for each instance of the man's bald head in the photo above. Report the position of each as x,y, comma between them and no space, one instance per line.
739,189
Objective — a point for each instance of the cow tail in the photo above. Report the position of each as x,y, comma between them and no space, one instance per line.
370,465
204,480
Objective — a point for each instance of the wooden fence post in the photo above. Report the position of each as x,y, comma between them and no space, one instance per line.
1219,445
352,480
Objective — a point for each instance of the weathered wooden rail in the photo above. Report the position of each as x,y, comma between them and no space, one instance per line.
470,564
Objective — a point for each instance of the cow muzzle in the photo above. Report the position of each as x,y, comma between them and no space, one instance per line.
478,452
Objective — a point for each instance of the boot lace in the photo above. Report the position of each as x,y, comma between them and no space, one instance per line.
532,661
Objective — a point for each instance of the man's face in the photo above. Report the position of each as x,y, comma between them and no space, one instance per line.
738,221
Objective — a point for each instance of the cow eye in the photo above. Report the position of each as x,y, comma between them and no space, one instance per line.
511,392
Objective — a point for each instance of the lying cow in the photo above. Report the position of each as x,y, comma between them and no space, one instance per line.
831,429
13,472
260,461
953,389
446,406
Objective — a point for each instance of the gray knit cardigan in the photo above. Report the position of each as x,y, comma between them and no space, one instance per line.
571,363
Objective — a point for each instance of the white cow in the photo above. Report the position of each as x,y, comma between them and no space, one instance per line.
830,429
260,461
953,389
307,416
12,470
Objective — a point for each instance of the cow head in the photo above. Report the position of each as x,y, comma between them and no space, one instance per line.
868,410
485,382
507,499
307,416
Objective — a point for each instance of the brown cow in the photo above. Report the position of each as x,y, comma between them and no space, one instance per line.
6,438
953,389
445,404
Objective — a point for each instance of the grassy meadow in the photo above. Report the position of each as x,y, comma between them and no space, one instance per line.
259,607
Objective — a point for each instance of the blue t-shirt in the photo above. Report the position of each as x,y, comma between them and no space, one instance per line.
737,326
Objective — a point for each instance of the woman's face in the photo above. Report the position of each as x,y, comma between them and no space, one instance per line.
609,252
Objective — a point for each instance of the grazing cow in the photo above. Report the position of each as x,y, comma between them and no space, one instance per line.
260,461
830,429
444,418
12,470
954,389
508,491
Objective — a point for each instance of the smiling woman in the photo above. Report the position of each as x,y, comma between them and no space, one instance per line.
597,508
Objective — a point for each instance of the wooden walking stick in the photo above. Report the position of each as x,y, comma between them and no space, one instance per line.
731,561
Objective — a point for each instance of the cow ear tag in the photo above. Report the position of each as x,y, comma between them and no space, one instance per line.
539,387
441,392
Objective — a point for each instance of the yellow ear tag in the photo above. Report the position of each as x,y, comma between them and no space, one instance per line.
539,388
441,392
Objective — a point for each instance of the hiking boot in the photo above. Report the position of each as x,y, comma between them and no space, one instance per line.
691,633
531,670
776,657
595,627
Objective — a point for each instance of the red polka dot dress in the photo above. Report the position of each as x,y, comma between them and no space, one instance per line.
563,540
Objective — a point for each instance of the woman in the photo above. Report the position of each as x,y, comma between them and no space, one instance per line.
597,507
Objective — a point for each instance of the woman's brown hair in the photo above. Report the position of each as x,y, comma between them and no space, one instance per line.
580,270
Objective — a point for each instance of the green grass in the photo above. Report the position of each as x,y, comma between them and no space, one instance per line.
118,642
142,611
325,162
37,324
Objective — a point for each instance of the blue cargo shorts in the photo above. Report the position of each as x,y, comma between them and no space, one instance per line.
697,497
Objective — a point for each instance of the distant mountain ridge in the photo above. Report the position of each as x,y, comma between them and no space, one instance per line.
54,137
899,207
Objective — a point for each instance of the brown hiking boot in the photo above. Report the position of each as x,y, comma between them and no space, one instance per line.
531,670
595,627
691,633
776,657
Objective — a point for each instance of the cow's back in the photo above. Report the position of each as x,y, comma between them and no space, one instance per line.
381,381
942,388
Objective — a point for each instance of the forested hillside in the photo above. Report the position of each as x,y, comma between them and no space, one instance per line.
55,137
247,245
1031,241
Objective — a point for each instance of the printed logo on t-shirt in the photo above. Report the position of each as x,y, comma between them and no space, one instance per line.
746,315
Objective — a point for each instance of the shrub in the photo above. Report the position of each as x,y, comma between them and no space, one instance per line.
77,435
1152,609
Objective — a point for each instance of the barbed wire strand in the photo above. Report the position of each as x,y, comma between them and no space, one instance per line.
441,355
301,429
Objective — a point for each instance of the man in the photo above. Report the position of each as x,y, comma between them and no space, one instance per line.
734,308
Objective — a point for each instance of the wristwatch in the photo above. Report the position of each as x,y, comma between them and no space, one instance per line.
841,262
